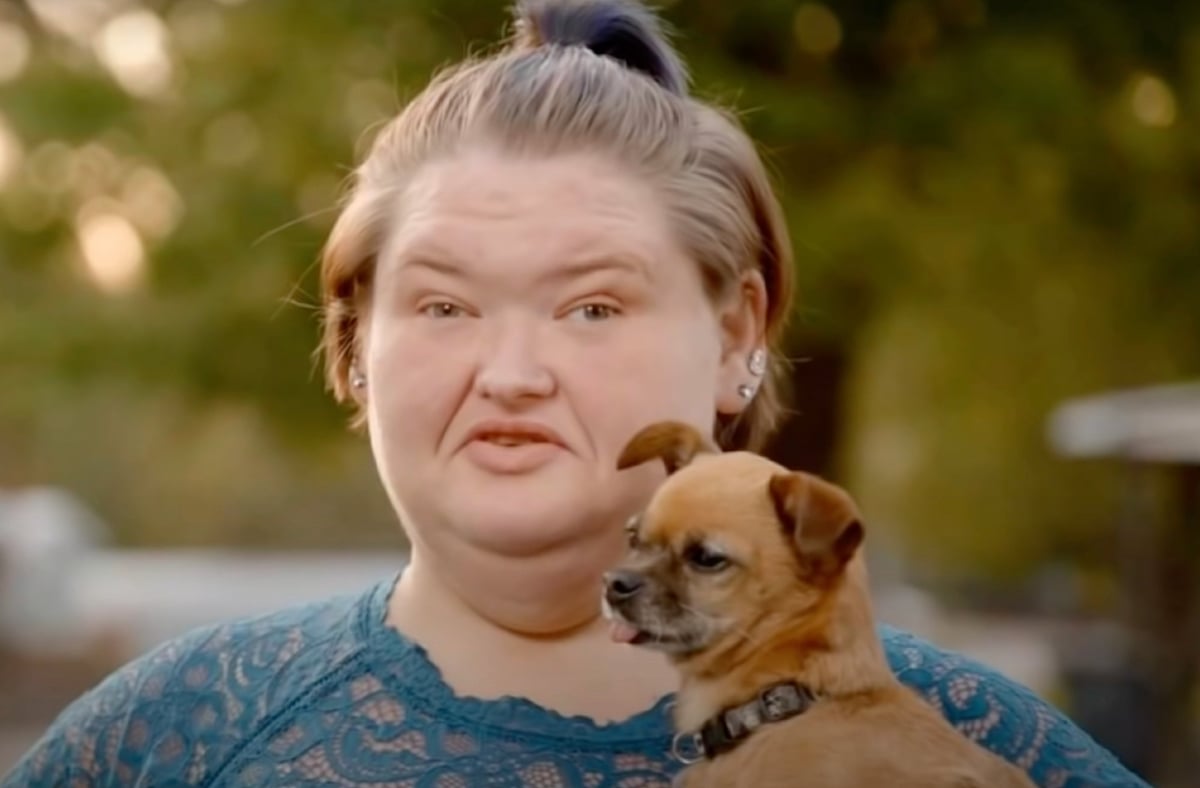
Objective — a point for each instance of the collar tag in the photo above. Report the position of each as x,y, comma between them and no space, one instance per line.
732,725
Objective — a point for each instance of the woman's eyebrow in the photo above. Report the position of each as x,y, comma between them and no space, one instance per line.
620,263
447,265
437,264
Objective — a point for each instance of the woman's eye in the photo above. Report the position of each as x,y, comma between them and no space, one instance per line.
593,313
442,309
706,560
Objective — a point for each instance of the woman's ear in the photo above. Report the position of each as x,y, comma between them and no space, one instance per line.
358,383
356,375
742,315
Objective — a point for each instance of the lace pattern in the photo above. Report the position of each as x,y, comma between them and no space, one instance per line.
327,695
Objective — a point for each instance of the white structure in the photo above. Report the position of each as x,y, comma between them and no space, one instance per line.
62,589
1159,424
148,596
45,533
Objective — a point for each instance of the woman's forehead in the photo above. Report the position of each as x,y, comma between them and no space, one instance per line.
568,214
488,184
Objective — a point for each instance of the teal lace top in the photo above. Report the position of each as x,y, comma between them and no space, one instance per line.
328,695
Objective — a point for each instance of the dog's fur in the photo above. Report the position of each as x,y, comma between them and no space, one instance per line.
790,602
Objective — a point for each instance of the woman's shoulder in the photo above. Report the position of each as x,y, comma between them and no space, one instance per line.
1002,715
182,710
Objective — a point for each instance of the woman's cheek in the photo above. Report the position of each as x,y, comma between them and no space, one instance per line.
414,369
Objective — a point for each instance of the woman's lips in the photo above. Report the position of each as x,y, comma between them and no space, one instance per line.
514,431
511,446
498,455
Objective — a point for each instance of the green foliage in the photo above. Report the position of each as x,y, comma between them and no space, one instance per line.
993,207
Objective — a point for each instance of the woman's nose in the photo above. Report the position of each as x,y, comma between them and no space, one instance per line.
511,369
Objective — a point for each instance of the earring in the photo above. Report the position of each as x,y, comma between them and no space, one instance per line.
358,380
745,391
758,363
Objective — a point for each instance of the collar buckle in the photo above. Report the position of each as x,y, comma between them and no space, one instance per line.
688,747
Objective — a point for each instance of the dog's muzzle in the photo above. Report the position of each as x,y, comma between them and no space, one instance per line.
622,585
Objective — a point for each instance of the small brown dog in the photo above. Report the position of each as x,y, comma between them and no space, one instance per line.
750,577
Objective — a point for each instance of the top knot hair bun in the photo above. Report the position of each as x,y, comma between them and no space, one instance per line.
624,30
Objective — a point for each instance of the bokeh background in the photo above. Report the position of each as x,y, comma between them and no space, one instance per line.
996,213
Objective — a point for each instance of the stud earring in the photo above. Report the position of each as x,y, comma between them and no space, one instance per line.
358,380
757,363
745,391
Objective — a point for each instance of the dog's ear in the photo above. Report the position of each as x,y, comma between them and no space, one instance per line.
673,442
821,521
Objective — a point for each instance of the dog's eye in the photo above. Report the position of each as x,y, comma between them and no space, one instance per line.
704,559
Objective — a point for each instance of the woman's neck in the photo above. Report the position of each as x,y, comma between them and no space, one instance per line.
528,627
548,596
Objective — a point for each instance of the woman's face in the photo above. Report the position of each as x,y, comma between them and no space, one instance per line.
528,317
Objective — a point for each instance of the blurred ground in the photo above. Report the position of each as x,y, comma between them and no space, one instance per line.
119,603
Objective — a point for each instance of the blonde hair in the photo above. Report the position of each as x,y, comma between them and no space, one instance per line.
579,75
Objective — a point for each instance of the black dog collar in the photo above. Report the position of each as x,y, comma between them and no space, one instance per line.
733,725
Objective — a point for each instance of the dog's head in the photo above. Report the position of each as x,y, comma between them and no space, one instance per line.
730,544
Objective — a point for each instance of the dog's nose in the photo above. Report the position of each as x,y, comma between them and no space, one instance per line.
622,584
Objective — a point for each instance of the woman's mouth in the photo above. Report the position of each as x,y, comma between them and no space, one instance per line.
514,432
512,447
511,440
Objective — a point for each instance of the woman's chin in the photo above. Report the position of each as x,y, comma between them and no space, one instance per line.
520,526
529,537
563,505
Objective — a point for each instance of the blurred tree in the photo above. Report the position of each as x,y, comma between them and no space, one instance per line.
993,207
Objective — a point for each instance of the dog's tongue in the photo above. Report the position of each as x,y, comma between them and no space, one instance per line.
621,632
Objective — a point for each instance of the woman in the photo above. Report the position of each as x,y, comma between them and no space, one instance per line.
546,250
